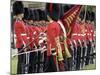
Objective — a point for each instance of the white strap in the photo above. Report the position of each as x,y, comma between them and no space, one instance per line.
63,28
91,30
74,42
34,32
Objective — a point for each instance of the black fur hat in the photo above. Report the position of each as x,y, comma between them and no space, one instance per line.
36,13
31,15
44,15
18,8
92,16
88,15
82,15
26,13
53,10
40,14
61,11
67,7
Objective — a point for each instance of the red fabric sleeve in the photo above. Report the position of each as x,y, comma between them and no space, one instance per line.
20,29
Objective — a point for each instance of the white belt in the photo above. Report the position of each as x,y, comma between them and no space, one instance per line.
23,34
83,34
88,34
74,34
91,30
28,37
79,34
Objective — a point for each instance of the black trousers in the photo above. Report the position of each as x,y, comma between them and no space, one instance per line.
78,59
88,53
45,61
32,62
70,60
51,66
74,57
21,62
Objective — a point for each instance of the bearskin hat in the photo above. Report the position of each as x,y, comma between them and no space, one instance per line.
18,8
53,10
26,13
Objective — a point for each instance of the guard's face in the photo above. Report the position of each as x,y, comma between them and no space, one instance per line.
22,15
30,22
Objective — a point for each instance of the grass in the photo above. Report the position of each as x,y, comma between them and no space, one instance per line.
14,66
90,67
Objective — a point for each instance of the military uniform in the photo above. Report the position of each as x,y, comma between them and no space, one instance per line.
90,38
74,40
53,42
21,36
32,38
51,38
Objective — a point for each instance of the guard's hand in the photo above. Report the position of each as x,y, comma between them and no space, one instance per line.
25,49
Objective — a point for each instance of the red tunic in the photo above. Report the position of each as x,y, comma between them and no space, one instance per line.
91,31
53,31
36,32
20,31
75,33
82,32
31,40
27,32
87,32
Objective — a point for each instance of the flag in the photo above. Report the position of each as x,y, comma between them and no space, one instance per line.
70,17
